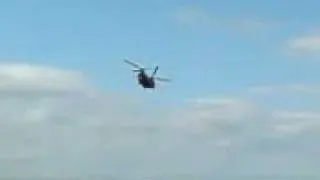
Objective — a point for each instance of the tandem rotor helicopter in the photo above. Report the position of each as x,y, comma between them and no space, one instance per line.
144,79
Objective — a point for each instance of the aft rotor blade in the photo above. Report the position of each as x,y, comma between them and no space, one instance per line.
155,71
162,79
141,69
132,63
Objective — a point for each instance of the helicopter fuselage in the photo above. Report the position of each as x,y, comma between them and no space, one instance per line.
145,81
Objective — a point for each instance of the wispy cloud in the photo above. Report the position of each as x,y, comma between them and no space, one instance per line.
305,44
199,17
192,16
88,133
296,122
308,44
304,88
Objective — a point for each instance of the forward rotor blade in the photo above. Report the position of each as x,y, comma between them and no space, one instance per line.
155,71
132,63
162,79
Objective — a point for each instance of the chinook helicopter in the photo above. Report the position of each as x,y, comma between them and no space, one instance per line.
145,80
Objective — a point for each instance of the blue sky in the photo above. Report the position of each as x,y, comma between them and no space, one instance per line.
94,36
248,70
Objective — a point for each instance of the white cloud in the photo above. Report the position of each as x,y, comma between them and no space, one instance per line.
25,77
224,107
100,134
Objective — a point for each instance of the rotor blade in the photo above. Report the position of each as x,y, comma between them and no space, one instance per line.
163,79
132,63
155,71
139,70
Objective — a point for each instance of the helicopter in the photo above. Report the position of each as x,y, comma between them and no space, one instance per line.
144,80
